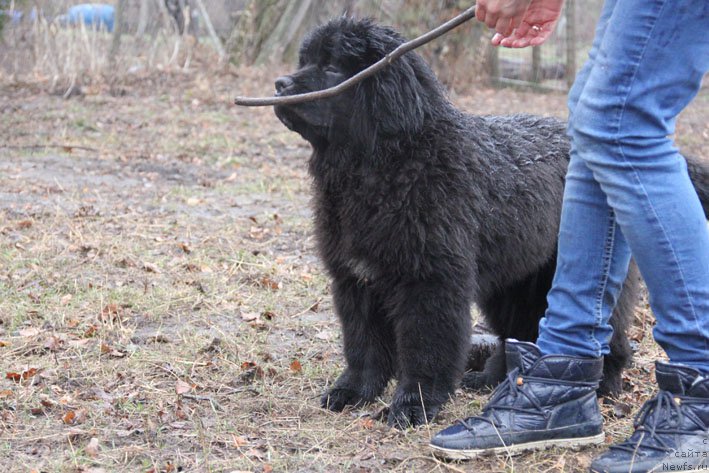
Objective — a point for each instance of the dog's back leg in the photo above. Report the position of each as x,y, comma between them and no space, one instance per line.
512,312
622,318
515,311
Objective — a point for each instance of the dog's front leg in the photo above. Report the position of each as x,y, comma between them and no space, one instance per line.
433,325
369,345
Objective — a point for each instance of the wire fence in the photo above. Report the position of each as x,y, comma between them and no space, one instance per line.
553,65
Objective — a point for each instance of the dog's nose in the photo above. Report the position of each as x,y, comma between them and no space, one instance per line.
282,83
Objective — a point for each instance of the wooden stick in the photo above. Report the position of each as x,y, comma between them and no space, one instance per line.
360,76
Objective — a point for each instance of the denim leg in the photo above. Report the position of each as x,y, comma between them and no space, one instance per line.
591,265
585,289
648,67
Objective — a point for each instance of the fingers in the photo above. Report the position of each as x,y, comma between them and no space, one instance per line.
480,11
525,35
504,27
502,16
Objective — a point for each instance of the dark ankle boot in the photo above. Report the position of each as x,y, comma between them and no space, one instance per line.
671,430
544,401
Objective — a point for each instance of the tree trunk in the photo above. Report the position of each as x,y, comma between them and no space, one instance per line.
271,30
117,32
210,29
143,14
293,19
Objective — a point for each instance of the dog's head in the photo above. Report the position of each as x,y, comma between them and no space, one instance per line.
391,103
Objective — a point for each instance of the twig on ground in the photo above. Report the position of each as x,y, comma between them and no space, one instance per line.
430,459
67,148
215,405
368,72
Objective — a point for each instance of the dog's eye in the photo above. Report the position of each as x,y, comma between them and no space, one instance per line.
331,69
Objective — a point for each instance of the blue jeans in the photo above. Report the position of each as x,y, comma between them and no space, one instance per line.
627,187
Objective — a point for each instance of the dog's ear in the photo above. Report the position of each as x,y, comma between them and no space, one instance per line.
390,103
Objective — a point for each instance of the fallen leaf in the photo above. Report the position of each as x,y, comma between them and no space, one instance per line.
250,316
107,349
269,283
251,372
181,387
53,343
90,331
17,377
258,233
239,441
110,312
255,453
193,201
92,447
296,367
325,335
151,268
74,417
29,373
13,376
184,247
6,393
29,332
24,224
4,344
367,423
69,417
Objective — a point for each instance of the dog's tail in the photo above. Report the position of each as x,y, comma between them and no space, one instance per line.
699,174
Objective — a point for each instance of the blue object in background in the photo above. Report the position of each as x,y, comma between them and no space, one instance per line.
94,15
15,16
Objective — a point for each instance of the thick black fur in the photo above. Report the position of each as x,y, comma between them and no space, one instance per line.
422,210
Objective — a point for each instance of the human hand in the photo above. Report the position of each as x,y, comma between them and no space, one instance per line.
537,24
501,15
519,23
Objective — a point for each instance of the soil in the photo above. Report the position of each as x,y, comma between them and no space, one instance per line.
162,307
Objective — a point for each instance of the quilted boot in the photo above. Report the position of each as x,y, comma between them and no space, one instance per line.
671,430
544,401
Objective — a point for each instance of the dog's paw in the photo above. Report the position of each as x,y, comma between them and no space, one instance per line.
407,410
477,381
611,385
337,398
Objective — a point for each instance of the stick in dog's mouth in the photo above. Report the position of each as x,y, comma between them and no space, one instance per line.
359,77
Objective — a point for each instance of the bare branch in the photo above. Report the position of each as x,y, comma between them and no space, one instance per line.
360,76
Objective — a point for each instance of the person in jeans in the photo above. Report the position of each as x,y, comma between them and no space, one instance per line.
627,192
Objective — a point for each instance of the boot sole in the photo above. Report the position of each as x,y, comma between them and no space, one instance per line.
453,454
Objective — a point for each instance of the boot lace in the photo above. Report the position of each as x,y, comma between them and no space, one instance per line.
503,399
660,417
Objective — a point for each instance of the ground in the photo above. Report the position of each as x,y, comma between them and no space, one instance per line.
162,307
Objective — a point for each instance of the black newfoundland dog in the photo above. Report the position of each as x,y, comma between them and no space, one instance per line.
422,210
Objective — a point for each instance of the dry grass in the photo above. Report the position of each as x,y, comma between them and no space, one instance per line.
160,293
